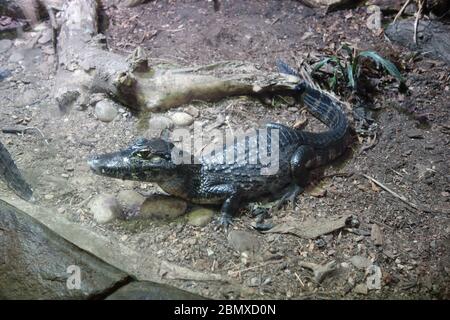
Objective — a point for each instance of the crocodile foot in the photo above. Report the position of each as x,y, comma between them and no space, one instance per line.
224,222
289,197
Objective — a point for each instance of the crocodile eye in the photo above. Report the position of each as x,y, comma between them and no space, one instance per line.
155,159
143,154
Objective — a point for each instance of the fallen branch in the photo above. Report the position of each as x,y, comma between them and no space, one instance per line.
23,131
86,67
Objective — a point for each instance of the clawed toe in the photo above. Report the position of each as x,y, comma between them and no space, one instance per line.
289,197
224,223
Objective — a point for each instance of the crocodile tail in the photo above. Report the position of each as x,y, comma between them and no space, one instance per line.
321,104
325,107
283,67
11,174
328,109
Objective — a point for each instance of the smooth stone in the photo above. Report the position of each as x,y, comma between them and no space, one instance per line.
243,241
5,45
160,123
105,208
106,111
160,206
200,217
182,119
130,198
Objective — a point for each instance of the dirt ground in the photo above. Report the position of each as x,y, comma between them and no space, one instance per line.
411,156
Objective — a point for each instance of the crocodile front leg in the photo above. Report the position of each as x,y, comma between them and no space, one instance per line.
231,204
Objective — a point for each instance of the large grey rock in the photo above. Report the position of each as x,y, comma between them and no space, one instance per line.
105,208
159,206
36,263
433,37
106,110
146,290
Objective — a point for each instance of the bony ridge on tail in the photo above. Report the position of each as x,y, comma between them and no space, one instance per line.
210,179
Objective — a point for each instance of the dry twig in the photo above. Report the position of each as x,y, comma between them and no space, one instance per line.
395,194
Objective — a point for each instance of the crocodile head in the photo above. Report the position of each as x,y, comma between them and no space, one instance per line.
145,160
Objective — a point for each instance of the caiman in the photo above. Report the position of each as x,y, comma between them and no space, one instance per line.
232,184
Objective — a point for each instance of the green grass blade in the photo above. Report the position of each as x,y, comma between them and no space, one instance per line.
387,65
351,77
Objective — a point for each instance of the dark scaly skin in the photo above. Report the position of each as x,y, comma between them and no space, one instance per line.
11,174
234,184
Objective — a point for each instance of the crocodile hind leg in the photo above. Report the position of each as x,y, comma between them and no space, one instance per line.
299,173
289,196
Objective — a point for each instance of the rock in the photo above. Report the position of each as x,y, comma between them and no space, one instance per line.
200,217
182,119
160,123
374,277
388,6
5,45
193,111
105,110
36,263
162,207
361,288
255,282
244,241
433,37
360,262
45,37
376,235
331,5
105,208
130,198
146,290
